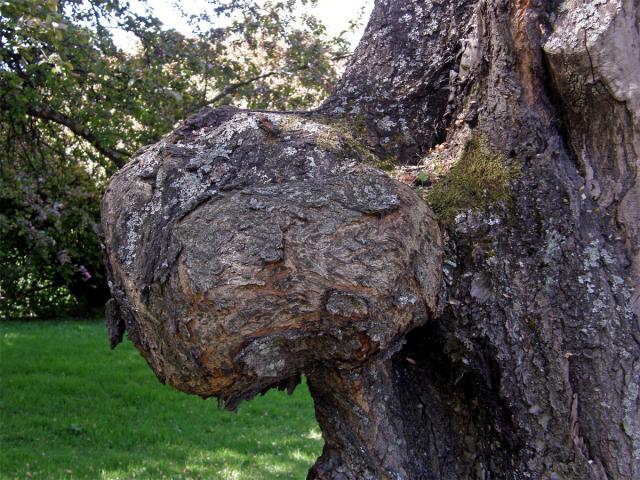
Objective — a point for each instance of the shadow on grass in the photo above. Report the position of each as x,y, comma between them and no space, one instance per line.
71,408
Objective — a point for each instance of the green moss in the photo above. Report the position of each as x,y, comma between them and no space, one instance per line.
349,134
477,180
385,165
352,132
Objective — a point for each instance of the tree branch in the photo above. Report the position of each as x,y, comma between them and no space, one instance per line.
118,157
229,89
233,87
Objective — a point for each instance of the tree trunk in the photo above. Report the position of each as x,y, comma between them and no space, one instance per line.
519,121
531,369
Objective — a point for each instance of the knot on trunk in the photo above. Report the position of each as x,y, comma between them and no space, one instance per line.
246,247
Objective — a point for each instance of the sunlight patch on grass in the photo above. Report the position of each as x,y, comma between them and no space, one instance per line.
314,434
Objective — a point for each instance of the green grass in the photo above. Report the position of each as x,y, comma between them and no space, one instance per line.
70,408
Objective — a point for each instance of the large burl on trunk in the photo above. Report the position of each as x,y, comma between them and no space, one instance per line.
492,334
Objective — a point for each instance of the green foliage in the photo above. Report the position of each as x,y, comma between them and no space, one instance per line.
49,252
479,179
423,178
72,408
74,107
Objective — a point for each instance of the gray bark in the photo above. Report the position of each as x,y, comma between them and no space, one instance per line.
236,264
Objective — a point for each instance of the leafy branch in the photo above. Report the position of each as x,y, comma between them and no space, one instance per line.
118,157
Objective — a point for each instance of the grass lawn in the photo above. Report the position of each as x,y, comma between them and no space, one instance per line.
71,408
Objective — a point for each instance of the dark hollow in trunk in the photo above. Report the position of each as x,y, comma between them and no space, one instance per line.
518,122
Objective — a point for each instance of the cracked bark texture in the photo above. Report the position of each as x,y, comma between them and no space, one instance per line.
242,254
525,361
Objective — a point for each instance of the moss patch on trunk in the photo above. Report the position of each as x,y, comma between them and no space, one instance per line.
479,179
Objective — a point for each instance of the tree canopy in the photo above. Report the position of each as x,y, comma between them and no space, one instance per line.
74,106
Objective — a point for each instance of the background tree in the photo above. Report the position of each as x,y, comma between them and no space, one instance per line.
74,107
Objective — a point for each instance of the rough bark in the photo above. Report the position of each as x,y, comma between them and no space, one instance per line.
528,365
246,248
